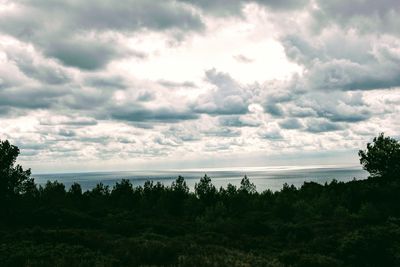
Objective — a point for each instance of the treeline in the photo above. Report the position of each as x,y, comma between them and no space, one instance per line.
335,224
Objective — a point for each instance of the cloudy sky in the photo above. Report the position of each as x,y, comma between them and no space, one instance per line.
148,84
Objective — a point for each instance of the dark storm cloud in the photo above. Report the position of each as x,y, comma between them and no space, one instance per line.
54,26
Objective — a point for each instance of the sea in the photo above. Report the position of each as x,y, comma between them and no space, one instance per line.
272,178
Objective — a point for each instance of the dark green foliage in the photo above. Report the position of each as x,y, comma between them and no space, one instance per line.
382,157
75,190
205,190
246,186
336,224
13,179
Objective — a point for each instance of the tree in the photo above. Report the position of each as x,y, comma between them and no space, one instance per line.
100,191
179,186
205,190
246,186
54,192
14,180
75,190
382,157
123,193
179,193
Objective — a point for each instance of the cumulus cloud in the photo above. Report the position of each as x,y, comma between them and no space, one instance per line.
226,96
76,33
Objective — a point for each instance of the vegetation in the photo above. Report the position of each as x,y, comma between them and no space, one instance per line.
335,224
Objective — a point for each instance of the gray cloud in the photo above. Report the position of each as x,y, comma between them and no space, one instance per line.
172,84
145,96
272,134
234,7
66,133
227,98
84,54
344,60
41,71
365,15
69,121
291,123
104,81
320,126
183,134
237,121
274,109
54,27
222,132
31,97
141,114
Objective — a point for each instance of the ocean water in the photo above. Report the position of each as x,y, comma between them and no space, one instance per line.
264,178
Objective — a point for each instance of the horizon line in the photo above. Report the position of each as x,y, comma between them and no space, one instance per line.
217,169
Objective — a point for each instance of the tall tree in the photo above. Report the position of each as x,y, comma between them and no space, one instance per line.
14,180
382,157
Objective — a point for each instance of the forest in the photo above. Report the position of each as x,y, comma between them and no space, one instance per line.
333,224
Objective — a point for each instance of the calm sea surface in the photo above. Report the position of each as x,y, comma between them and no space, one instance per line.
263,177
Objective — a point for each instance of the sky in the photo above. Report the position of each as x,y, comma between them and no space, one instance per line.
146,84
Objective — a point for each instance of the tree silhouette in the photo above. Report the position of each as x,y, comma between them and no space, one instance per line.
382,157
75,190
14,180
179,186
246,186
205,190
